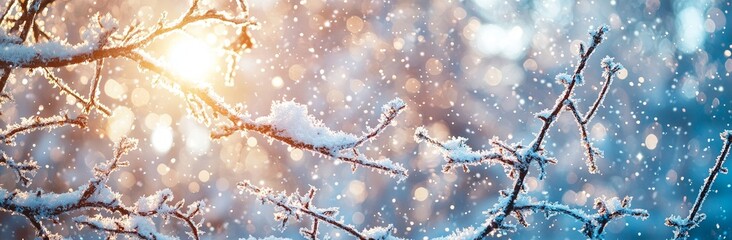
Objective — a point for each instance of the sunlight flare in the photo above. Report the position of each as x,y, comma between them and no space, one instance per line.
191,58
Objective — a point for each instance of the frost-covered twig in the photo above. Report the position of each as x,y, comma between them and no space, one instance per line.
516,158
296,206
93,93
593,224
684,225
24,171
459,154
36,123
96,195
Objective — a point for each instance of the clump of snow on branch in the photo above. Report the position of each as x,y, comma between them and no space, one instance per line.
290,123
293,121
380,233
608,63
15,52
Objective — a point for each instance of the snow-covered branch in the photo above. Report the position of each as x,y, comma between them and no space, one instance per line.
288,122
593,225
96,195
459,154
516,158
103,40
681,225
298,207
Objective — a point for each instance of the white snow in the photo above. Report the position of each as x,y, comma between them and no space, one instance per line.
13,52
292,120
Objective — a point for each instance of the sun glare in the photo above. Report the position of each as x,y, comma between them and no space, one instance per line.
191,58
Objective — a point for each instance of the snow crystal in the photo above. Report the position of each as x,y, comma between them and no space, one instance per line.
154,202
396,103
603,28
564,78
726,135
610,64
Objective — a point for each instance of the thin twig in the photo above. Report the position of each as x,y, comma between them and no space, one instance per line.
683,226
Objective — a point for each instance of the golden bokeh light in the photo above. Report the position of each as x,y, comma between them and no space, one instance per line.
191,58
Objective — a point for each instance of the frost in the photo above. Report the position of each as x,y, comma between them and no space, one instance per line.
545,114
24,171
608,63
14,52
97,195
516,159
468,233
459,154
300,207
380,233
134,225
564,78
682,226
598,32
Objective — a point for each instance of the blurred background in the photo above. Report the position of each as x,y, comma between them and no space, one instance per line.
475,69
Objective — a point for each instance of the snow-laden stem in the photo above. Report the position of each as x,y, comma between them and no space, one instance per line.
343,146
98,196
295,205
121,44
27,21
684,225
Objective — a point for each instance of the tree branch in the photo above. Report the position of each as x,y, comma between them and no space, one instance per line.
682,226
97,195
516,158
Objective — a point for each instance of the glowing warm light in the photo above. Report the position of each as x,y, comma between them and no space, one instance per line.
421,194
162,139
651,141
191,58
